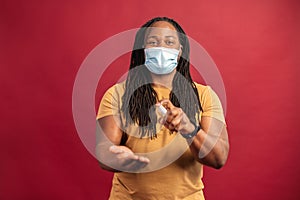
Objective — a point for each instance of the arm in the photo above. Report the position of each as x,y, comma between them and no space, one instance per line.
210,145
111,155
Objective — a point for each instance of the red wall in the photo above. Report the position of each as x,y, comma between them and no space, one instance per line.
255,44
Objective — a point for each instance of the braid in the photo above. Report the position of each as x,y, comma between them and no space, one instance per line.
139,96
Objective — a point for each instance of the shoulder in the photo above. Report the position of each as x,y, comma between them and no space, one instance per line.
207,96
210,102
117,88
111,100
113,93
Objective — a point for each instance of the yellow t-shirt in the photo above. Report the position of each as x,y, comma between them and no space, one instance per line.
172,173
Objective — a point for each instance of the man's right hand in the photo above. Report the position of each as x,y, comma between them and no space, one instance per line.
127,160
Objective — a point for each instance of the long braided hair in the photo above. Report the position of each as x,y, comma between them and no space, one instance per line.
139,96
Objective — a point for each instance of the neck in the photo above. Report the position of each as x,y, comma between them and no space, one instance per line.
163,80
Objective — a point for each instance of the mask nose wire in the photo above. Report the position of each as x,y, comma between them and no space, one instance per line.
180,47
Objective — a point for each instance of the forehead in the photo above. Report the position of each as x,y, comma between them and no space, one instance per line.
161,29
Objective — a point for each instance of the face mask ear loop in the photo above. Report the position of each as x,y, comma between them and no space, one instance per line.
180,51
180,47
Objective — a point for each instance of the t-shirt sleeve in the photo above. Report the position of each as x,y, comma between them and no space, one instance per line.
109,104
211,104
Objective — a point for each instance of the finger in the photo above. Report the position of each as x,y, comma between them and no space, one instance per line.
177,121
167,104
141,165
127,156
115,149
127,161
162,120
133,165
172,114
170,127
144,159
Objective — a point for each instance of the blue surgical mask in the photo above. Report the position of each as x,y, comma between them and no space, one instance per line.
160,60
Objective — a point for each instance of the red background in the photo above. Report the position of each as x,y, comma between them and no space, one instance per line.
43,43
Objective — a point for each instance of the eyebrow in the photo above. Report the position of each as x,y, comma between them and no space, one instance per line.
168,36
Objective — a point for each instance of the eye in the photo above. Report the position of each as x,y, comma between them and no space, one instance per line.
152,42
170,42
